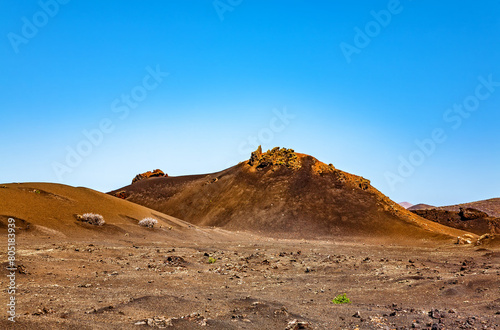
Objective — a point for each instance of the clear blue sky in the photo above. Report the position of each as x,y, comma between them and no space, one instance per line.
243,69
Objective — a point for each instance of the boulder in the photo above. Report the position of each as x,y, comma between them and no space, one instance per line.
471,214
463,240
121,194
149,174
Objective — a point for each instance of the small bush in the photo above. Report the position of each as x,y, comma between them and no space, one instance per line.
92,218
341,299
211,260
148,222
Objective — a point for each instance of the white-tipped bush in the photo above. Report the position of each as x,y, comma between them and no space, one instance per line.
148,222
92,218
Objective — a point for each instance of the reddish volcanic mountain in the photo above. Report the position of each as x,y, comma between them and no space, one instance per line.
283,193
406,205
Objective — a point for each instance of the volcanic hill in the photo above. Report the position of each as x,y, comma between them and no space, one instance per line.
283,193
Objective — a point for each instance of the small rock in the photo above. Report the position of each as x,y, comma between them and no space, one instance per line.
435,314
149,174
463,241
297,325
435,326
21,269
87,285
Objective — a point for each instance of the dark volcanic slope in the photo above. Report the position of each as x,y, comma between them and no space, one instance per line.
490,206
481,224
487,222
282,192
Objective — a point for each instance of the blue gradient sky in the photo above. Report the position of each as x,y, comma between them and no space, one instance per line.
228,77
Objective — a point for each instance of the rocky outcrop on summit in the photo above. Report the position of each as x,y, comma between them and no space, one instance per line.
149,174
275,157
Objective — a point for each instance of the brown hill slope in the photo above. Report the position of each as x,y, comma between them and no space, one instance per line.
283,193
489,206
50,210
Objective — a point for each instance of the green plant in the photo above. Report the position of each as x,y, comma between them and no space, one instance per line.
341,299
211,260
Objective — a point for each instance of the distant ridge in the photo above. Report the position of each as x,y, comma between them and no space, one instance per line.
489,206
406,205
420,207
468,219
